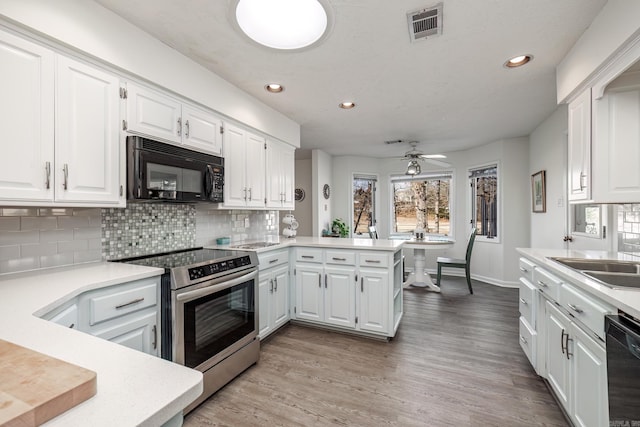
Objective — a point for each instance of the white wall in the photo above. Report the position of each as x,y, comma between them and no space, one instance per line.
87,27
304,212
321,175
615,24
548,152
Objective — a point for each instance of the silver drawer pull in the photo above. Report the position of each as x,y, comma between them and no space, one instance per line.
273,261
523,339
541,283
338,259
575,308
523,301
135,301
308,256
375,261
524,270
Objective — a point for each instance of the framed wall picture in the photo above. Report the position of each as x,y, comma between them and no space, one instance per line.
538,192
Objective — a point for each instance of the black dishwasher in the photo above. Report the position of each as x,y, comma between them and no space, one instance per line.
623,369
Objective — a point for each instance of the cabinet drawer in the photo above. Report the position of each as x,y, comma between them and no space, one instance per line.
374,259
528,338
272,258
309,255
340,257
526,269
547,283
584,308
528,301
122,301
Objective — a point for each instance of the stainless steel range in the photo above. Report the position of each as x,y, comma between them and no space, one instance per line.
209,307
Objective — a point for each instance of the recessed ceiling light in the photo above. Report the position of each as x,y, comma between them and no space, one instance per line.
274,88
518,61
347,105
282,24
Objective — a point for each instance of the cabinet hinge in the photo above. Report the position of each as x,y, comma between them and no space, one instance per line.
294,310
221,130
294,271
356,320
123,93
265,145
124,125
121,191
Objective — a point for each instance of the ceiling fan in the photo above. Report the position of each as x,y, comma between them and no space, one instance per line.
415,156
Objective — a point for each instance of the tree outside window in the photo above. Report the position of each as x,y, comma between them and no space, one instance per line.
364,188
422,202
484,200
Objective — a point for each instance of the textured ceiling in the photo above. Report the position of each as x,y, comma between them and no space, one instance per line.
449,92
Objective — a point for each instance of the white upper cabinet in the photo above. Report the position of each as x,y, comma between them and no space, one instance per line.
156,115
60,124
244,168
280,175
26,120
579,147
87,134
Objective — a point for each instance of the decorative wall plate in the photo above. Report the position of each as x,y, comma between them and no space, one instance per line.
326,191
299,194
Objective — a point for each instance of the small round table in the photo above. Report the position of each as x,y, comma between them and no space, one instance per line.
419,278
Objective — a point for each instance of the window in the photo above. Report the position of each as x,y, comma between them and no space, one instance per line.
364,188
422,201
587,220
484,200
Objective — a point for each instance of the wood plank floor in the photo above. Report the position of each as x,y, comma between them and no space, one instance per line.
454,362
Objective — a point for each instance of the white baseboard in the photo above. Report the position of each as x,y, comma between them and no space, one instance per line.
458,272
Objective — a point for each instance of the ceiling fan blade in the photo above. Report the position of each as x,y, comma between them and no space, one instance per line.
437,162
433,156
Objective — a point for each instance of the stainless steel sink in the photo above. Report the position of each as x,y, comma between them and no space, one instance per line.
611,273
255,245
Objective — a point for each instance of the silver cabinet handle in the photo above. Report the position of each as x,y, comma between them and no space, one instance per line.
524,270
271,287
179,126
523,339
307,257
155,337
583,178
361,284
275,281
65,171
339,259
562,341
541,283
186,129
319,280
375,261
47,169
245,193
522,300
273,261
325,280
250,194
575,308
135,301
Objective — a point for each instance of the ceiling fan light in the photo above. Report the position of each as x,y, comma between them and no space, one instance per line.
413,168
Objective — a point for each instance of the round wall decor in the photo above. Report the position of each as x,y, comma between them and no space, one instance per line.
326,191
299,194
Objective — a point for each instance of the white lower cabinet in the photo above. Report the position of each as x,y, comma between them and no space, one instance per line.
557,356
126,313
273,292
339,288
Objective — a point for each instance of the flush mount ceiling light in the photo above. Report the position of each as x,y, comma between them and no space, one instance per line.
274,88
347,105
413,168
518,61
283,24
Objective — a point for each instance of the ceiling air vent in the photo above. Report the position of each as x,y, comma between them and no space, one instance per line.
425,23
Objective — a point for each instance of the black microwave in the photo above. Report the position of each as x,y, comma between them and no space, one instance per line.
162,172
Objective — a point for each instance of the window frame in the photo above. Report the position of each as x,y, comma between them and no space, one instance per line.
471,194
426,175
376,200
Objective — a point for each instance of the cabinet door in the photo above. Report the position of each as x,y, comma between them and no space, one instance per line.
339,299
589,385
153,114
87,134
138,332
558,368
68,317
265,297
26,120
374,300
288,177
579,147
201,130
280,299
309,302
235,154
255,169
274,164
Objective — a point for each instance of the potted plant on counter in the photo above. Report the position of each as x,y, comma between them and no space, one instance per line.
339,227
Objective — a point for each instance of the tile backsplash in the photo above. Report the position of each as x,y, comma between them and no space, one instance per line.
34,238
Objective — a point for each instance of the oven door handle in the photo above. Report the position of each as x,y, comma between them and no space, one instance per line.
207,290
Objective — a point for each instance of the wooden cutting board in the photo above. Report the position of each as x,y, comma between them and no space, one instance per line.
35,388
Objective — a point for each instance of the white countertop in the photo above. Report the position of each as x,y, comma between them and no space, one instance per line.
627,300
324,242
134,388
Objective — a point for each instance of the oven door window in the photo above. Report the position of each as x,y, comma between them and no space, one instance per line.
215,322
